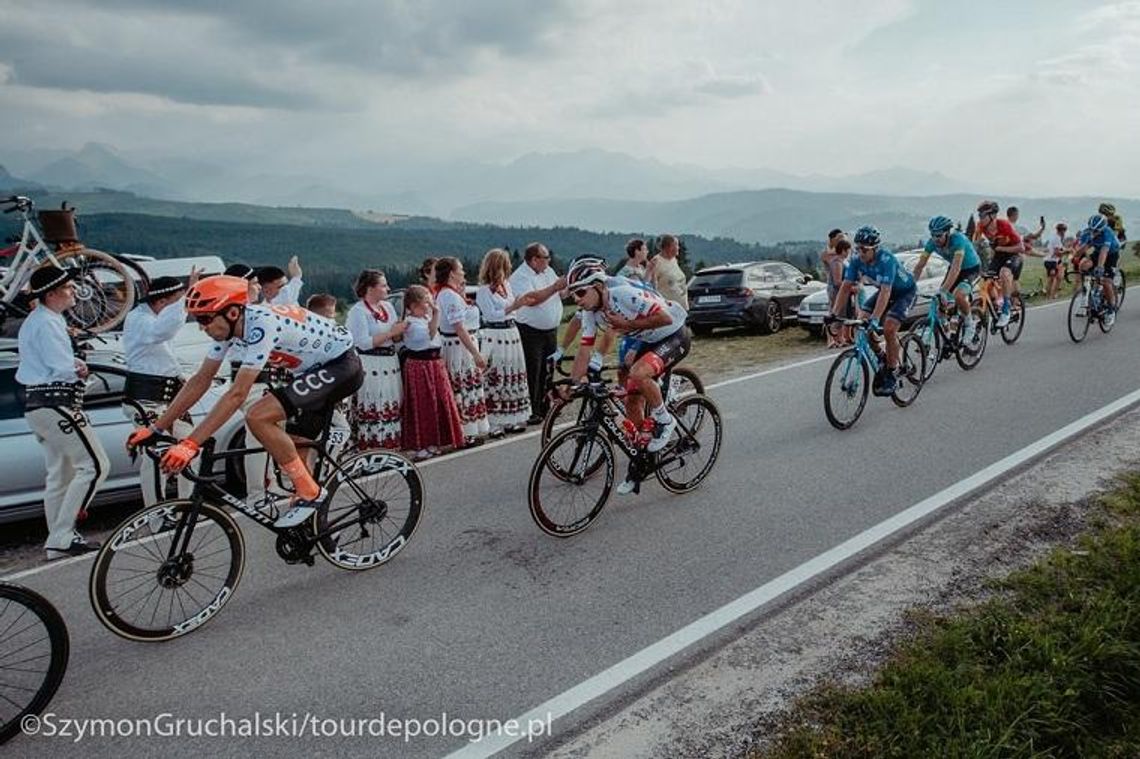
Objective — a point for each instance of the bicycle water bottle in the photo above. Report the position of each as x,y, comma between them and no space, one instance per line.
646,434
630,430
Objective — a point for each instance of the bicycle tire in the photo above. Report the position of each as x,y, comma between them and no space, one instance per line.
1120,282
914,371
851,385
154,525
683,383
931,338
21,636
686,436
969,356
99,306
1013,330
1079,317
142,279
394,519
549,511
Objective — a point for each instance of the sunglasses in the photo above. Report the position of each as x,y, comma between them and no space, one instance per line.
579,294
867,248
204,319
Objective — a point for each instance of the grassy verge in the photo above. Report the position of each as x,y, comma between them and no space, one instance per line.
1049,667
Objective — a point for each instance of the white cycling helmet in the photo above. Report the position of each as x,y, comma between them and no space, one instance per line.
585,272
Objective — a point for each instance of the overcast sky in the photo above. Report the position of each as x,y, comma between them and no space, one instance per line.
1040,95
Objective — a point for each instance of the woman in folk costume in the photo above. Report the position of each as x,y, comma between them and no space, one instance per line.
459,326
430,420
373,324
507,393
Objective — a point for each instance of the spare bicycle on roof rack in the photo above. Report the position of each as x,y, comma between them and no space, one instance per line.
104,287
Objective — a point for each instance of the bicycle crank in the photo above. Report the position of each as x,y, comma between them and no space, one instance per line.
295,545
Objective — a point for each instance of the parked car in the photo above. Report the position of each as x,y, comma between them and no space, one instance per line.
760,294
814,307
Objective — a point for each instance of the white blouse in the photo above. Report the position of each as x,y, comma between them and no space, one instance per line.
147,339
493,306
45,349
363,324
418,335
454,310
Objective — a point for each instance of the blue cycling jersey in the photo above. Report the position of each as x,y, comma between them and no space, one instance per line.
884,271
1106,238
956,242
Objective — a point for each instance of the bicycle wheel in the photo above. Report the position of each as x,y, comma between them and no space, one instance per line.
374,506
1012,331
684,382
34,649
695,445
104,289
1079,316
576,411
143,589
845,392
1120,282
564,495
931,339
970,355
913,375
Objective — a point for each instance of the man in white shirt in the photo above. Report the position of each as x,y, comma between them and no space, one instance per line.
665,271
279,290
52,377
538,324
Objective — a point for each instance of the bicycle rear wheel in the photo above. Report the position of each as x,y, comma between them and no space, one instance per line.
565,493
1012,331
34,649
931,339
374,506
104,289
913,374
695,445
143,589
1079,316
970,355
845,392
684,382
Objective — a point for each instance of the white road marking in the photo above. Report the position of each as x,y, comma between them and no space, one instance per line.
652,655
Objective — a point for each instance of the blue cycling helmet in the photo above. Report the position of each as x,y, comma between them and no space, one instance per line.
1097,223
940,225
867,235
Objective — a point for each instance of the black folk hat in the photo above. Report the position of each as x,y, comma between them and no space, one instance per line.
47,278
160,287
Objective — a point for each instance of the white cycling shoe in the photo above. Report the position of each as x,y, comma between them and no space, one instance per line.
969,330
1003,320
301,511
662,432
626,487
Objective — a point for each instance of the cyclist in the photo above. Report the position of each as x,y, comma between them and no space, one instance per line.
617,305
1115,223
1103,249
965,266
1005,263
319,352
891,301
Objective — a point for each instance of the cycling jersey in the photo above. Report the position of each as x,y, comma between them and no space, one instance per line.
885,270
1003,236
286,336
1106,238
632,301
956,242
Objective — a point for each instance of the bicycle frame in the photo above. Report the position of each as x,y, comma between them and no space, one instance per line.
32,253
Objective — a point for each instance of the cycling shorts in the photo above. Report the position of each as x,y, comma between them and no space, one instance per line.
310,398
966,277
897,307
626,346
1111,261
1001,261
667,353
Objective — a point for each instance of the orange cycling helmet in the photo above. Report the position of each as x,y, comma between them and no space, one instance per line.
213,294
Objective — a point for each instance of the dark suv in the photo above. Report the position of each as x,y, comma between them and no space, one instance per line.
757,294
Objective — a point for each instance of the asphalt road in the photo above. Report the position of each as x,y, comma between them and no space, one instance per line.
484,617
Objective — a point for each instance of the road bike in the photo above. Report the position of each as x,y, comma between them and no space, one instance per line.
986,297
573,476
941,337
676,383
170,568
34,650
1087,305
104,288
849,379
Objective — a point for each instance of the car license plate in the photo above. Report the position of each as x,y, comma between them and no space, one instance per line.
708,299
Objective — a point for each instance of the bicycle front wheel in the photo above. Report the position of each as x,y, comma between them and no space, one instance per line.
1079,316
691,454
845,392
167,570
104,289
1012,331
912,376
1120,283
565,493
34,649
931,339
374,506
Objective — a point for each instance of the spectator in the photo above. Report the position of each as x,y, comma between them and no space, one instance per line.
1028,238
249,274
537,324
459,326
668,278
377,406
1108,211
1056,249
636,254
430,418
427,274
322,304
833,260
279,290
